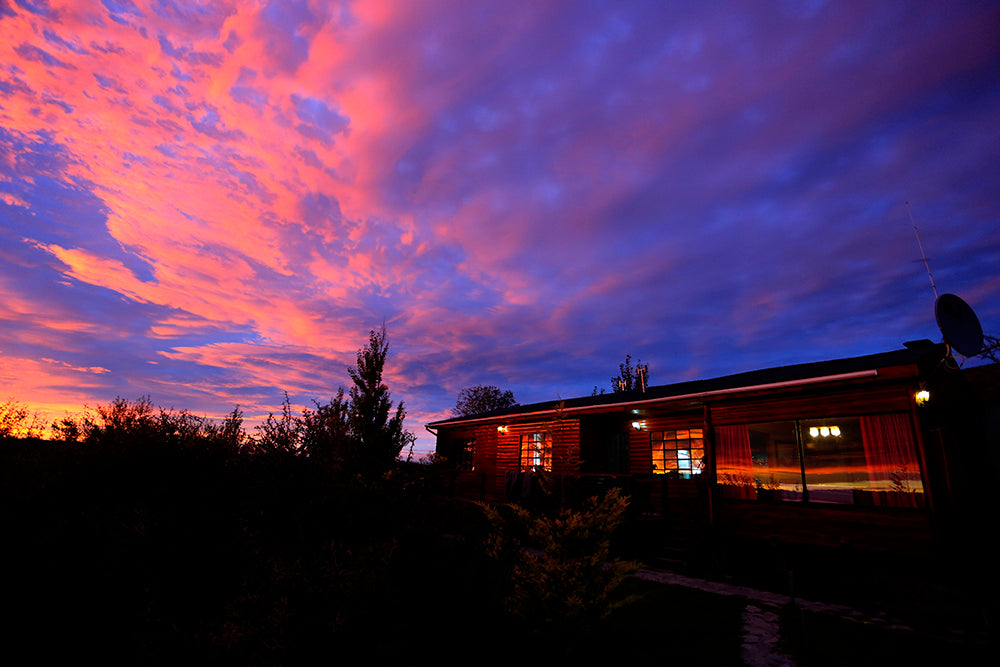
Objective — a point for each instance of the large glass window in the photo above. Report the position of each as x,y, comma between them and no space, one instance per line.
850,460
680,453
834,459
777,470
536,452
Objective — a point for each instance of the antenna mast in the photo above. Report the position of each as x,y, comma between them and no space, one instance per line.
921,246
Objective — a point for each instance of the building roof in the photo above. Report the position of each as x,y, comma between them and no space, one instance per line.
924,354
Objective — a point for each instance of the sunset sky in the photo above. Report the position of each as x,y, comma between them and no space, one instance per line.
213,202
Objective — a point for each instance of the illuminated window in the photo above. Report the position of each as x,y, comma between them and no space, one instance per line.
536,452
868,460
680,453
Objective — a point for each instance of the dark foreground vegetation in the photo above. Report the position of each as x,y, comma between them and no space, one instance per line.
158,551
162,552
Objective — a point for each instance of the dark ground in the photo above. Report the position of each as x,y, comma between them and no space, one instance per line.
162,557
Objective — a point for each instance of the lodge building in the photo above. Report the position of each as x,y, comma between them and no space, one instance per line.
889,451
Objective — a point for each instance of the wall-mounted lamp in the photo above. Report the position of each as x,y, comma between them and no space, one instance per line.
501,429
922,397
638,425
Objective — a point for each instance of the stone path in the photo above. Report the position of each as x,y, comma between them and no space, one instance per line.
775,600
761,634
761,630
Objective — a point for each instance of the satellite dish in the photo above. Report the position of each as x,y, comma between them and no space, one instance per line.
959,325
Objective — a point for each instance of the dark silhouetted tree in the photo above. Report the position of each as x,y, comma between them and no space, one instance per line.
378,438
67,429
17,421
279,436
229,436
326,432
120,424
482,398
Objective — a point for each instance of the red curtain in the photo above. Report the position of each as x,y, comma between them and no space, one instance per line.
733,463
891,458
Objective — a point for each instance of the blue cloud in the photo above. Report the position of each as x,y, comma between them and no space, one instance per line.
33,53
168,150
52,38
39,7
210,124
166,103
117,8
232,42
188,55
319,121
65,106
280,28
108,47
248,95
15,86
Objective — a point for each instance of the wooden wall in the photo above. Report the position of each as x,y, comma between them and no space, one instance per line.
827,525
813,404
639,447
565,434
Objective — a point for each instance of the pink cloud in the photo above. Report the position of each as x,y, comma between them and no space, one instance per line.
252,186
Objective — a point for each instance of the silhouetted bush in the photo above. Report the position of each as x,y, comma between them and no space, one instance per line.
558,570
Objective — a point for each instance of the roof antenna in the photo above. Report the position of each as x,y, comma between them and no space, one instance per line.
921,246
955,318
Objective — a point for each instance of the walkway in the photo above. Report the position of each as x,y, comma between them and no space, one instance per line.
761,629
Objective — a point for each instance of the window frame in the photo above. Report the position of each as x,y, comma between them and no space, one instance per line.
466,455
808,488
535,459
695,465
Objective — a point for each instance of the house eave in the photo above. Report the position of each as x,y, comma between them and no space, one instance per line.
663,400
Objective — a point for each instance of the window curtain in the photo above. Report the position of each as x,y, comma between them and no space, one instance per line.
893,471
733,463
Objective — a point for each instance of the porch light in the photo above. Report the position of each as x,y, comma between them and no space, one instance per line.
637,425
501,429
922,396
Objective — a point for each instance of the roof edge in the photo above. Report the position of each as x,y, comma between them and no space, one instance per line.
664,399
